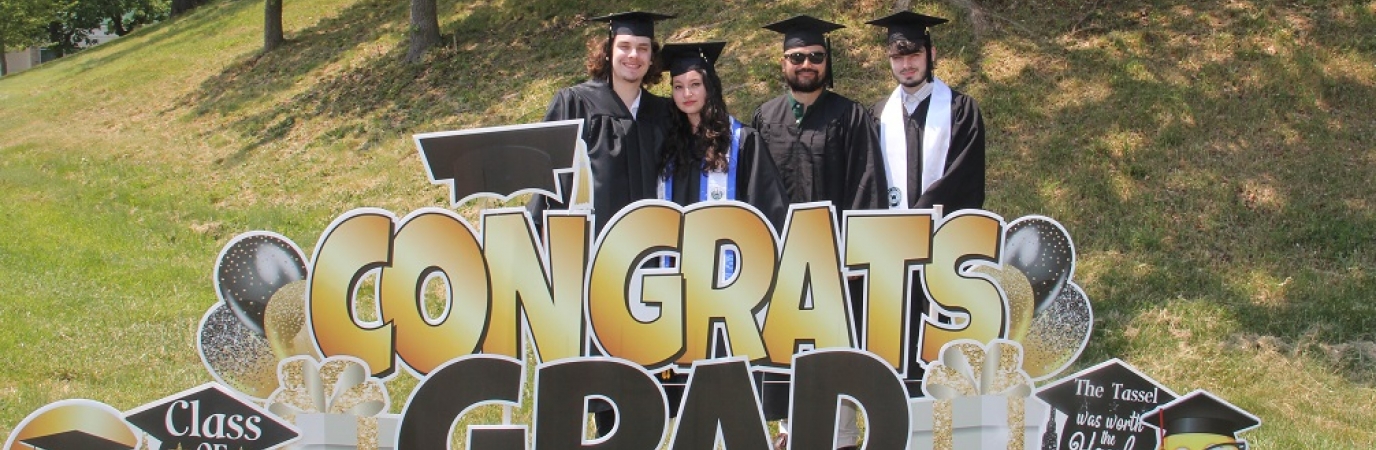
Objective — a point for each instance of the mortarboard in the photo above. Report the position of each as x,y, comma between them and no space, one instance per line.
680,57
907,25
501,160
74,439
634,23
803,30
1200,413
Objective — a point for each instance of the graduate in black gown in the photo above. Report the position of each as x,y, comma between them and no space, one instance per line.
932,136
711,156
625,127
826,145
827,149
933,143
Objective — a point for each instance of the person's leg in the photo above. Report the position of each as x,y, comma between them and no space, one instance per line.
848,430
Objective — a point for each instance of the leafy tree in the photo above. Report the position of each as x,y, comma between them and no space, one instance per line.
425,28
21,25
72,21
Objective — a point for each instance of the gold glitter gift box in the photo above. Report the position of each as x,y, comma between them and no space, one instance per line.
978,397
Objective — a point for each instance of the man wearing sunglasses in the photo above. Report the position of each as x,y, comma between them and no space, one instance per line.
825,144
826,148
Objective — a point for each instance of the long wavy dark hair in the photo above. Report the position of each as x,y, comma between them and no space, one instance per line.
709,146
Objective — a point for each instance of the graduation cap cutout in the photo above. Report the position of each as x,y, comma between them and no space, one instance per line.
680,57
1199,420
634,23
504,161
907,25
1109,389
74,440
803,30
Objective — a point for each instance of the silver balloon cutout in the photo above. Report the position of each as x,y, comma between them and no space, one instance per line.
1042,251
251,268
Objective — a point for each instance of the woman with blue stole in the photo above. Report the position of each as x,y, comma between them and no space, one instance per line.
711,156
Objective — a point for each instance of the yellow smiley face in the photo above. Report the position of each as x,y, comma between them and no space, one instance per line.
1203,441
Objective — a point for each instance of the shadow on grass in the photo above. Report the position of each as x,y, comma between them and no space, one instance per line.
1228,167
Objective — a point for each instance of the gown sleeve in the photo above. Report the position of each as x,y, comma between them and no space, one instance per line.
866,183
758,178
562,107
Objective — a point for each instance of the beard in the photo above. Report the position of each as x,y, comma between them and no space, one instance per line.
916,82
797,84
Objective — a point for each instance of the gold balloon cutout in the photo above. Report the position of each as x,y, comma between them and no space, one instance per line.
1018,290
1052,337
285,322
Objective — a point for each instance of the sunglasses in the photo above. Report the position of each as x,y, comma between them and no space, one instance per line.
799,57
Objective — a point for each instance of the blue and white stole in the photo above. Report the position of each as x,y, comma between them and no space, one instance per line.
712,187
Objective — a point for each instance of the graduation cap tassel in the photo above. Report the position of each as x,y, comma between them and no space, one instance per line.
831,75
931,66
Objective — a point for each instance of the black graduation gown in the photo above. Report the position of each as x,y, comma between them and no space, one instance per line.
757,180
623,150
961,186
833,154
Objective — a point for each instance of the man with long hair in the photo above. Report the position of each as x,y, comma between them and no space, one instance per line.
624,128
624,124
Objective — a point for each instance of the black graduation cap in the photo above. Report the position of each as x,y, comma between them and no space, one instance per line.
500,160
634,23
908,25
75,439
1201,412
683,56
803,30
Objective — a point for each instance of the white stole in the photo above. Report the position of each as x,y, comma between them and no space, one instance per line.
936,142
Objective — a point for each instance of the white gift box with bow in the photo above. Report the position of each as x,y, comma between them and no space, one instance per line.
979,422
340,431
978,397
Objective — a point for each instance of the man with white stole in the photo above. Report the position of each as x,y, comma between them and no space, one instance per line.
932,136
932,139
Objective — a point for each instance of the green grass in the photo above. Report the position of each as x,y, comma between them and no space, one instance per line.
1212,160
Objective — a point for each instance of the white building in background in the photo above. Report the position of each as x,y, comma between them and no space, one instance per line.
25,59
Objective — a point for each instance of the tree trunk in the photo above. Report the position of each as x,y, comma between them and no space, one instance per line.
4,63
117,25
272,25
425,28
182,6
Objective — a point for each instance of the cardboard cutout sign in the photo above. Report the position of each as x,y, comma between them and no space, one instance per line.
1103,407
605,314
211,417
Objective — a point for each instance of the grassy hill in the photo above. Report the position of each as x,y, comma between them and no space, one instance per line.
1212,160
